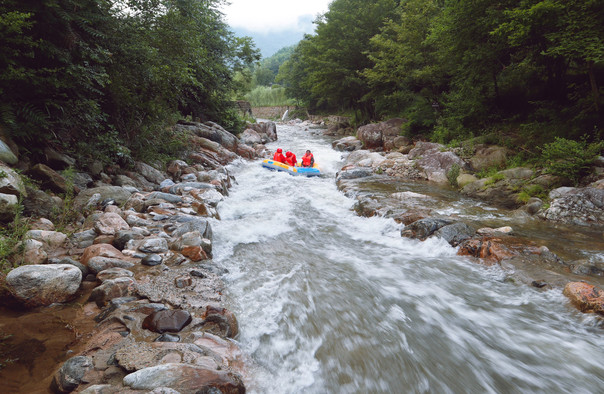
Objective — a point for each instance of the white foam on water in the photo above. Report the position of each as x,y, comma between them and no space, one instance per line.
331,302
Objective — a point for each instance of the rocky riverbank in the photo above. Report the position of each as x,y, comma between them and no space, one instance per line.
140,260
379,155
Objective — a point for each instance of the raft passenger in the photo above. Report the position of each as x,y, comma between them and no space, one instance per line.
279,156
308,159
290,159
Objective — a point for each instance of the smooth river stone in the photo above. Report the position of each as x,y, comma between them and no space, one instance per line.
167,321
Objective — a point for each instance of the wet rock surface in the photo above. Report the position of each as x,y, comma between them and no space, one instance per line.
140,248
384,181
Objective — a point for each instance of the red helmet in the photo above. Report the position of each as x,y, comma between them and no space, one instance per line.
279,150
288,154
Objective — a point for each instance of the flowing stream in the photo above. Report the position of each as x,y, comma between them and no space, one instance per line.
329,302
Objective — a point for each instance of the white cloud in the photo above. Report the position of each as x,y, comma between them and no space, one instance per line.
265,16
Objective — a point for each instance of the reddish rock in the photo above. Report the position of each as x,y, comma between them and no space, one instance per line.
485,248
201,209
224,348
167,321
246,151
411,216
220,321
587,298
104,239
104,250
110,223
195,253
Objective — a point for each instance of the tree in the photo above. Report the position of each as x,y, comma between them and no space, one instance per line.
333,58
405,78
562,34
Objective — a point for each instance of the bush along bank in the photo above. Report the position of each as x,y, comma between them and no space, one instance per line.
141,250
378,153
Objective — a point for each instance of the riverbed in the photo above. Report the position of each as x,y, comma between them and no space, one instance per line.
328,301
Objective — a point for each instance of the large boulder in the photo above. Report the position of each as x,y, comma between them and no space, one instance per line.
119,194
57,160
347,144
424,228
580,206
38,285
488,157
151,174
380,135
502,189
252,137
434,161
49,178
210,131
209,152
266,130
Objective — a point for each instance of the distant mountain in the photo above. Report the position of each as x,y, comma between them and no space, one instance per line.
269,43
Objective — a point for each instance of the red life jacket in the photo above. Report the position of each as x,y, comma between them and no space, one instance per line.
290,159
307,159
279,157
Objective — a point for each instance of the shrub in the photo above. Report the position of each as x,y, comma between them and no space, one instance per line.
494,179
11,240
531,191
570,159
452,174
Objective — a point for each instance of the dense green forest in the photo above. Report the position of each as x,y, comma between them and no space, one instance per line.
104,78
458,68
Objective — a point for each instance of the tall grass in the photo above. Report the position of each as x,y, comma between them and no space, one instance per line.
264,96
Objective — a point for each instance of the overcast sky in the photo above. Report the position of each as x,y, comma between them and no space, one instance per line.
266,16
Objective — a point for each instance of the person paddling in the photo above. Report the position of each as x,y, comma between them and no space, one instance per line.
308,159
279,156
290,159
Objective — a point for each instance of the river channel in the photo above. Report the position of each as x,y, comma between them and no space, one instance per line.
330,302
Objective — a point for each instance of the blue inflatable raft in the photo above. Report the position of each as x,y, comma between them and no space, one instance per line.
306,171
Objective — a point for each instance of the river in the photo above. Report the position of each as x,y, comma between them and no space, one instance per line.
330,302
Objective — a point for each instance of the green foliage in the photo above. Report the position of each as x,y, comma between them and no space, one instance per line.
65,215
11,241
494,179
325,69
570,159
263,96
531,191
453,173
74,71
